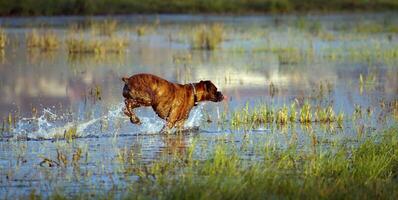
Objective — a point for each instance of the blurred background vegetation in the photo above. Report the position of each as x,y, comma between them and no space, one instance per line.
97,7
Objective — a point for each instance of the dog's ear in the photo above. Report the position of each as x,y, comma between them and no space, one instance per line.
125,80
206,84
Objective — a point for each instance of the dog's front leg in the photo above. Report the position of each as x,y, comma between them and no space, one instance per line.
130,105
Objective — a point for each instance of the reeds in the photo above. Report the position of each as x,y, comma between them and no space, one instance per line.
141,30
70,133
64,159
207,37
105,28
305,113
99,38
9,123
282,115
96,46
325,115
289,55
267,114
46,42
3,39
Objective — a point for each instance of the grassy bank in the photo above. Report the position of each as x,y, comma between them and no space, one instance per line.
95,7
364,170
342,172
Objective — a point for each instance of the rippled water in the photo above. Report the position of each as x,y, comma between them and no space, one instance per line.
45,94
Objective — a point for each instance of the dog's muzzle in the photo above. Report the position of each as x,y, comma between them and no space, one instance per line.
219,97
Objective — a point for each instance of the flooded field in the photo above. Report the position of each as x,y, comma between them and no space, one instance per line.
314,82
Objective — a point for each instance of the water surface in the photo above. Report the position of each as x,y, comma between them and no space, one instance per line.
274,60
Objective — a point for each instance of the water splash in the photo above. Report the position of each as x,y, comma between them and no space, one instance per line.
113,123
48,127
154,124
195,117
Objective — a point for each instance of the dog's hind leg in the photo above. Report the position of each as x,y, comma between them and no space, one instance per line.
130,105
167,128
180,126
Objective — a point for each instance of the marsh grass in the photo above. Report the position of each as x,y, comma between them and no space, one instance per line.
289,55
3,39
325,115
342,171
2,56
3,127
46,41
67,155
267,114
340,119
97,38
301,49
207,37
105,28
142,30
394,109
292,56
95,93
306,113
9,122
371,28
375,52
81,45
282,115
70,133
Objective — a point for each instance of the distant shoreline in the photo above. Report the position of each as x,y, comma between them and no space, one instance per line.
227,7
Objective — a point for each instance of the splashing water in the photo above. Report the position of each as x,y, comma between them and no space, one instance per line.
195,117
113,123
154,124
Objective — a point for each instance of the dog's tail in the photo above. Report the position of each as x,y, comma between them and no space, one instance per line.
125,80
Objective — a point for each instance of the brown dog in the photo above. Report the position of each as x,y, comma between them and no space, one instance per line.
171,101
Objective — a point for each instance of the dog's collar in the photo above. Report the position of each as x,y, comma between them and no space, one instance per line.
195,98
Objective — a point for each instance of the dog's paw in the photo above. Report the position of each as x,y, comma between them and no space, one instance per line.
135,120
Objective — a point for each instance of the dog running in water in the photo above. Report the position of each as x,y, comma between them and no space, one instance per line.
171,101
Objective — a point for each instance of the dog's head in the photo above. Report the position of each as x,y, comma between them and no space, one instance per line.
210,92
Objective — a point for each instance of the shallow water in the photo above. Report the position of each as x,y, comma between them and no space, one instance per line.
45,94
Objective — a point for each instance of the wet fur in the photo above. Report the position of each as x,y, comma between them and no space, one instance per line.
171,101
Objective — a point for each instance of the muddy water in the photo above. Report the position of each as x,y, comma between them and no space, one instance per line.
44,94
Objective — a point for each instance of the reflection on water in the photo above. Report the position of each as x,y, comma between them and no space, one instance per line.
263,59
